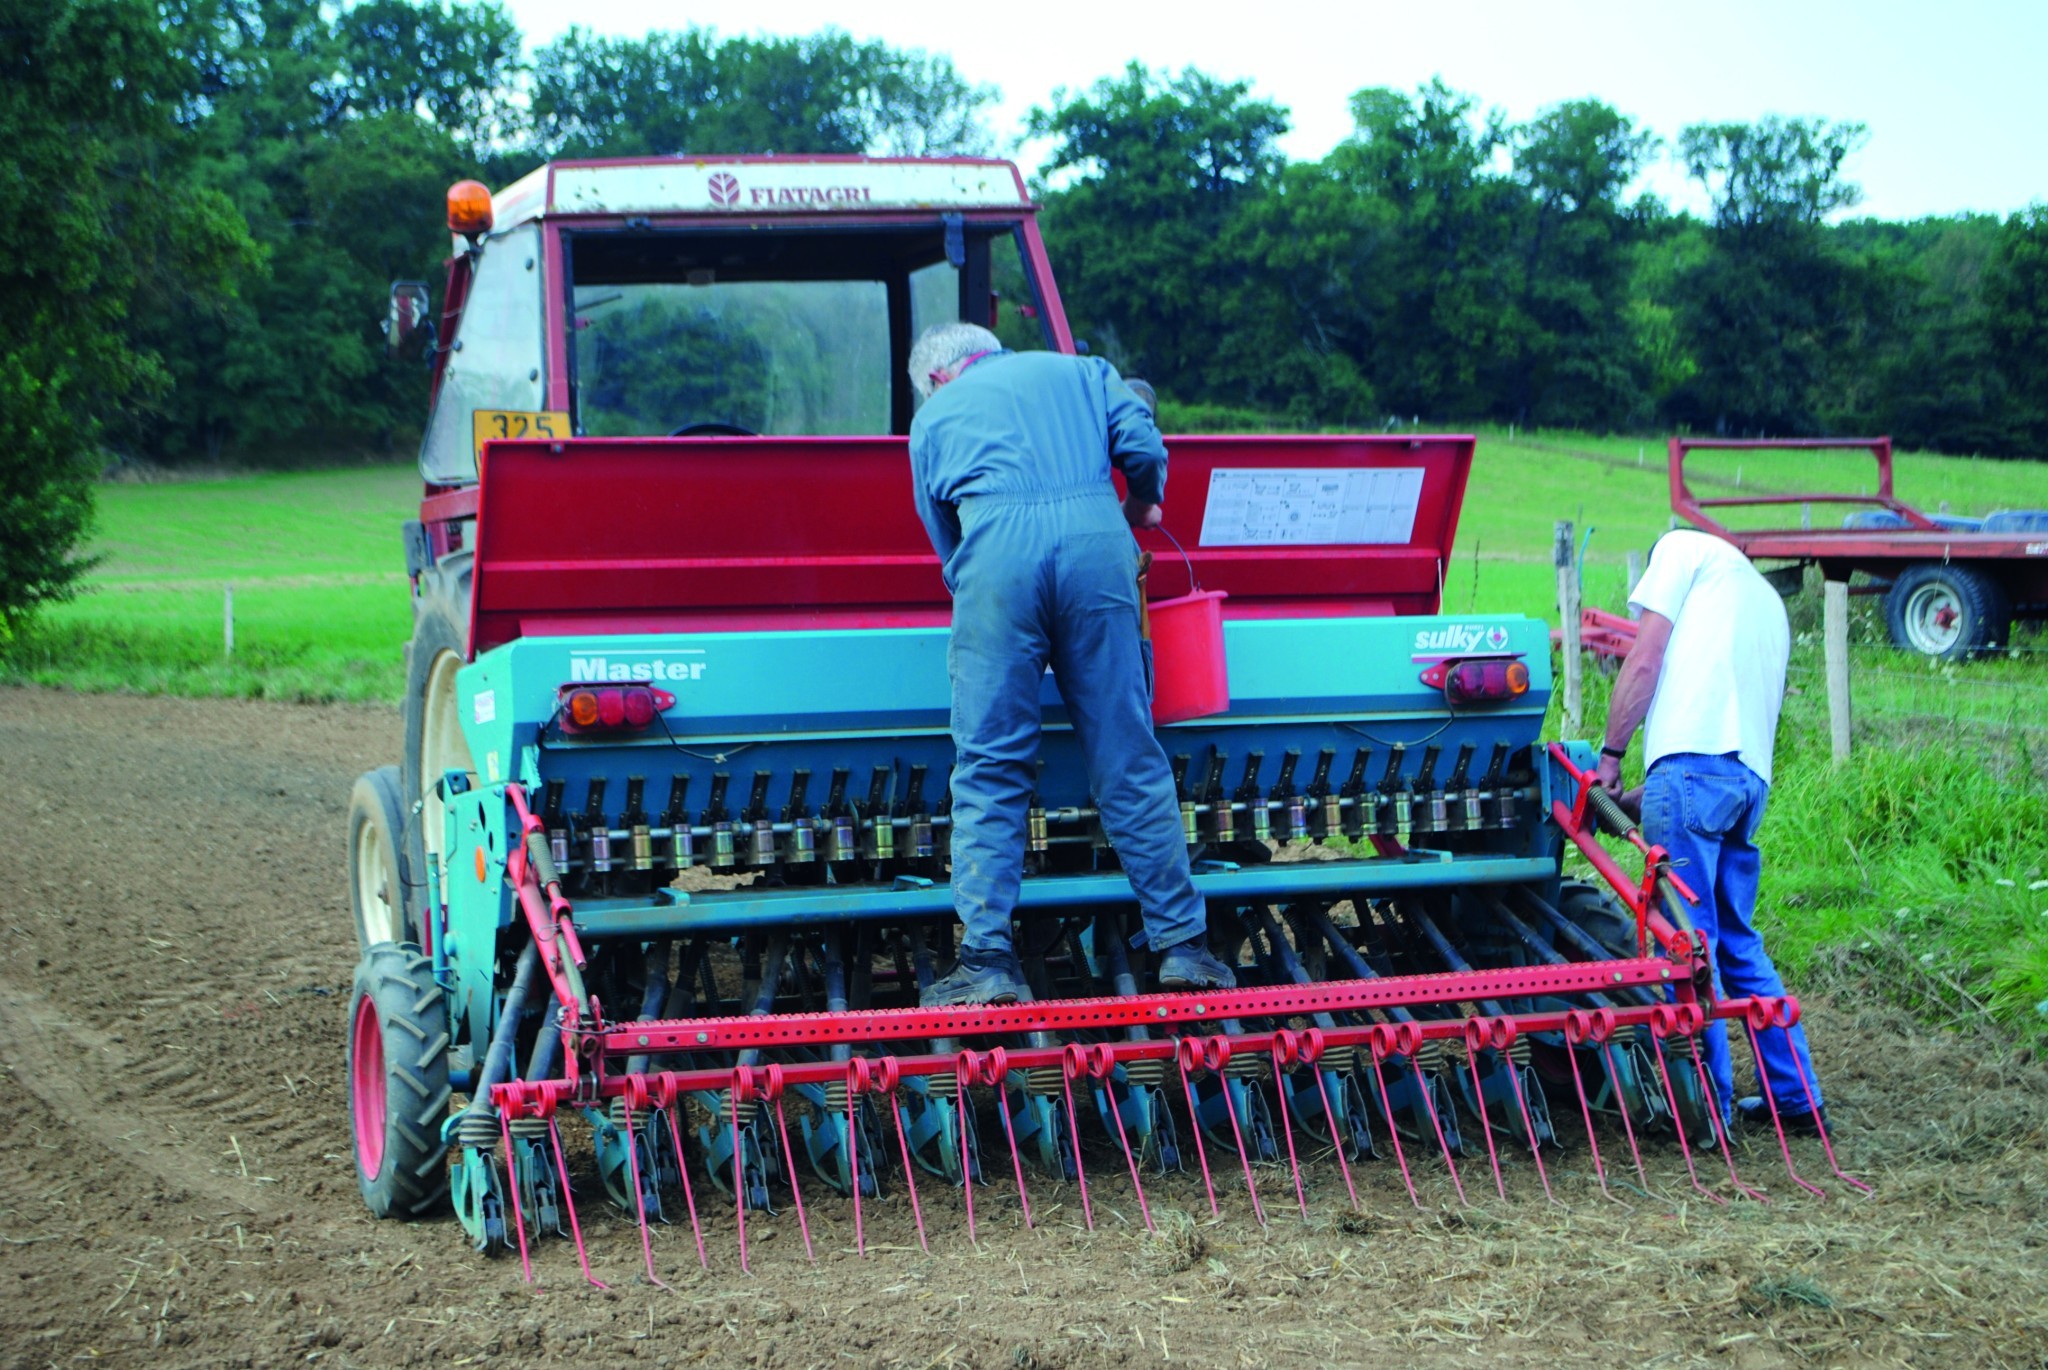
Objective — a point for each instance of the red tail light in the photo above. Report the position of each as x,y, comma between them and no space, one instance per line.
610,708
1472,682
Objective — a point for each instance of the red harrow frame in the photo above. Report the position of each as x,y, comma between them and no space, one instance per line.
1206,1040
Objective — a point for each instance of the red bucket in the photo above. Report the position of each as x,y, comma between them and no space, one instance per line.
1189,676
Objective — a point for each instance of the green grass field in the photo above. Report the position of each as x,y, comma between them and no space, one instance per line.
1921,869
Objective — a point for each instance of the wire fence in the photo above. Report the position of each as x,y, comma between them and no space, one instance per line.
1998,702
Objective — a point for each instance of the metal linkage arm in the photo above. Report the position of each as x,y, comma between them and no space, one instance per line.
1642,897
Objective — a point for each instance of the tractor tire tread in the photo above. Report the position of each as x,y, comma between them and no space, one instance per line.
412,1180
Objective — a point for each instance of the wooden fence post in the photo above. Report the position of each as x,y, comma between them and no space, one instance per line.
1835,634
227,621
1568,620
1635,572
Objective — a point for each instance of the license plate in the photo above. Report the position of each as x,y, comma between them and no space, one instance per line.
493,425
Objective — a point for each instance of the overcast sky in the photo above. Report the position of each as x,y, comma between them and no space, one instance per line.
1950,89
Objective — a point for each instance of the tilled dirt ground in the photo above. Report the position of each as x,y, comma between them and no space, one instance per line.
175,1183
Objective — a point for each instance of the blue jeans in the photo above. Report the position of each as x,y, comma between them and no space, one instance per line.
1044,580
1705,811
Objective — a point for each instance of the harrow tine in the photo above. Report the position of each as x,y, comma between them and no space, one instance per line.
1429,1106
860,1242
512,1183
1216,1055
1663,1023
1485,1124
1750,1023
1721,1131
1185,1052
992,1068
1578,1026
796,1192
569,1203
1789,1015
963,1071
1069,1060
1101,1064
1286,1048
903,1145
1627,1125
1500,1033
739,1178
675,1132
1387,1107
1312,1054
640,1199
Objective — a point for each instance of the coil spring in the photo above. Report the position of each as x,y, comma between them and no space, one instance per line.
529,1129
1046,1080
1518,1051
1245,1066
1148,1073
479,1127
749,1110
944,1085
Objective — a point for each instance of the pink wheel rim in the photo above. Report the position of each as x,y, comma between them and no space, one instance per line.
366,1087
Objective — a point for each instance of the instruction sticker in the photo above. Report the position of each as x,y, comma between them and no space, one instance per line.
486,706
1258,507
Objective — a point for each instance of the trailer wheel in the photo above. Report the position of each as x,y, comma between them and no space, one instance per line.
1947,611
379,871
434,743
398,1081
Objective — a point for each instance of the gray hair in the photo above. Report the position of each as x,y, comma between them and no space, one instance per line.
941,347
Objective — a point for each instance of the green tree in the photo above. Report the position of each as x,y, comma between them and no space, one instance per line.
1576,363
1159,168
335,140
1772,310
1452,320
95,213
690,91
2016,322
448,64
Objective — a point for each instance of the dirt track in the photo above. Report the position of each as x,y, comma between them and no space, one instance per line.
175,1184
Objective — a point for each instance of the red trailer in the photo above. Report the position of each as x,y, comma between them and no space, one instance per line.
1952,585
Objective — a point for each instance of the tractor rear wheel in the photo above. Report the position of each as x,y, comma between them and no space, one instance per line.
1600,915
1947,611
398,1092
379,870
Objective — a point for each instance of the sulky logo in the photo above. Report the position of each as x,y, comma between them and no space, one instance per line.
725,189
1455,639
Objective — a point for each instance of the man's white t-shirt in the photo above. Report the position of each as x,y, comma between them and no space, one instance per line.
1723,681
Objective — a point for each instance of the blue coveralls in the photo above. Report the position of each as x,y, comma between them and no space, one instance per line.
1705,811
1011,463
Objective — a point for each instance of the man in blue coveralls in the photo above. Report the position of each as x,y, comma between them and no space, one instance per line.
1010,455
1705,680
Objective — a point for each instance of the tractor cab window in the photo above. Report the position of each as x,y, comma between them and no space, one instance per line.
495,358
788,331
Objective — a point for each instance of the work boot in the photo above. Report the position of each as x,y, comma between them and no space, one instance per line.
978,977
1803,1122
1190,966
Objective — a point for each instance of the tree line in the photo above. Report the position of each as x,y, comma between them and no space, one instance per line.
206,198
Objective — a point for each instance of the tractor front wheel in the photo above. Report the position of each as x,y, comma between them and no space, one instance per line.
380,870
398,1081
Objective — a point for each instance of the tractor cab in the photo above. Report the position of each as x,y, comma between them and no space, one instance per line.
717,298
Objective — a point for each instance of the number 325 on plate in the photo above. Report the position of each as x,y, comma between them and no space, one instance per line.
491,425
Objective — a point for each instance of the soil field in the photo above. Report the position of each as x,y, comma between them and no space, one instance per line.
175,1183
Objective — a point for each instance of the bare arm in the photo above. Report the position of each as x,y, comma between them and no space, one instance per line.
1634,688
